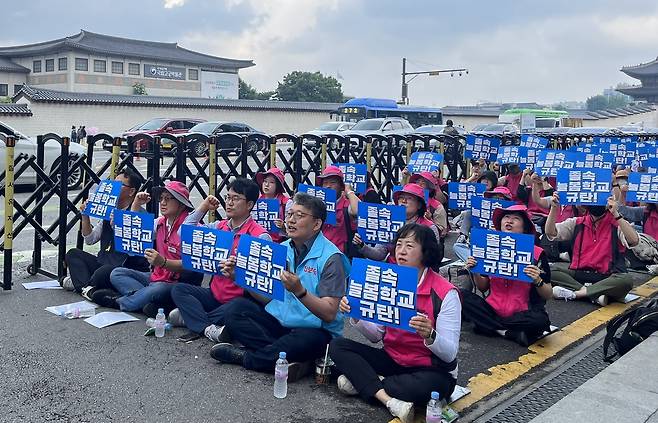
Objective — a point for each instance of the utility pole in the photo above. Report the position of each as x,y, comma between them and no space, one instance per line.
405,83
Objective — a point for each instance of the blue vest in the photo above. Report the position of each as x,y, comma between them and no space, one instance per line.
290,312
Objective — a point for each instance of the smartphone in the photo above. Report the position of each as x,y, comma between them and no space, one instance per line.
188,337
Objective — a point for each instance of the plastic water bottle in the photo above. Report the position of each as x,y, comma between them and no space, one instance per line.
80,313
150,322
281,376
433,413
160,322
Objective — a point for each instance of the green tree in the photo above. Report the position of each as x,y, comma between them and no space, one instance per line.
309,86
247,92
139,89
597,102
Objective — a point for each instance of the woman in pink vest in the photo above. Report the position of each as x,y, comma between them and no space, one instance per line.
411,365
437,213
513,309
137,289
512,180
347,206
271,185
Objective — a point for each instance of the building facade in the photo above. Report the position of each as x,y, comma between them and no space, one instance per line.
94,63
647,73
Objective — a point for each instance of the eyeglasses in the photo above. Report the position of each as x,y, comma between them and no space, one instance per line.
298,215
233,198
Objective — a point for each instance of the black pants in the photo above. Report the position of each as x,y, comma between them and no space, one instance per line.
85,269
264,337
533,321
362,364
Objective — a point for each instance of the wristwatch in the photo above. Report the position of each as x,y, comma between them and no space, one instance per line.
540,283
432,337
302,295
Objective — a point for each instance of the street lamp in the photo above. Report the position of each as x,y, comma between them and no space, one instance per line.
405,83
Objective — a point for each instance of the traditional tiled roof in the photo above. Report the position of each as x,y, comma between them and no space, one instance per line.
14,109
9,66
643,69
43,95
126,47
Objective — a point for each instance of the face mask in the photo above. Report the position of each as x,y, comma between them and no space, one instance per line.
597,211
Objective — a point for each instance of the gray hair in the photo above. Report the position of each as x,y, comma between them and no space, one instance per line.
315,206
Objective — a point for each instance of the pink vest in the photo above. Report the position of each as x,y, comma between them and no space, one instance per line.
592,247
534,208
391,248
167,244
509,296
651,224
338,234
566,212
407,348
283,199
512,182
223,288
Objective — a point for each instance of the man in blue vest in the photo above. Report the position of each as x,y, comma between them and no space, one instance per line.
305,322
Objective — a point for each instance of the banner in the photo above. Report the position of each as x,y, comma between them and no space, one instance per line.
584,186
503,254
133,232
523,156
356,175
424,161
533,141
220,85
326,195
203,249
651,165
625,139
624,153
259,266
383,293
482,211
460,193
481,148
550,161
378,223
265,212
642,187
101,203
585,148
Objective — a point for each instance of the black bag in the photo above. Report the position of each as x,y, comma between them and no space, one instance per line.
642,322
351,250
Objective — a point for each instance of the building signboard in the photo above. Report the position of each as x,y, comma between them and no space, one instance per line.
164,72
219,85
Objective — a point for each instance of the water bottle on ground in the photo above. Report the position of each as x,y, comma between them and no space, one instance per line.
150,322
281,376
160,322
80,313
433,414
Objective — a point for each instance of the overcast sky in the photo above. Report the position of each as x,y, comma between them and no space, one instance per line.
547,51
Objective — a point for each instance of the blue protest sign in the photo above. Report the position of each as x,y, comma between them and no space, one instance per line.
460,194
482,211
355,174
133,232
424,161
324,194
523,156
503,254
550,161
624,152
265,212
625,139
643,187
258,266
383,293
651,165
584,186
481,148
533,141
203,249
646,151
585,148
426,192
101,203
378,223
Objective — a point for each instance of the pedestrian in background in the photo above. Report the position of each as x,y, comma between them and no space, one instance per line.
74,134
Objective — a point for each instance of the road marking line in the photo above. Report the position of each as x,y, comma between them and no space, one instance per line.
498,376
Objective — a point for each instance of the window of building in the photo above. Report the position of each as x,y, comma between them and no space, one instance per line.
36,66
17,88
193,74
4,90
50,65
117,67
100,66
81,64
133,68
62,63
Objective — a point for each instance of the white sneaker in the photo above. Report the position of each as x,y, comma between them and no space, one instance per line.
401,409
565,256
67,284
561,293
214,333
653,269
602,300
345,386
176,318
86,292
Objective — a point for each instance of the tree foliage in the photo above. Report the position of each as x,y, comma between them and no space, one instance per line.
247,92
309,86
600,102
139,89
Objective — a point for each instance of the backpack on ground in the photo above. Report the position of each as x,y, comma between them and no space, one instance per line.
647,249
640,324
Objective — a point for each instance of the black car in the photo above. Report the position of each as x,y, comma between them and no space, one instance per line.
199,147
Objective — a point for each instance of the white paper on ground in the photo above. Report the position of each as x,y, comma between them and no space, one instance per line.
51,284
61,309
458,393
108,318
630,297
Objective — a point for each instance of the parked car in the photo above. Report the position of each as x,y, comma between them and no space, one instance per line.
333,127
52,153
157,126
199,147
434,130
382,126
499,129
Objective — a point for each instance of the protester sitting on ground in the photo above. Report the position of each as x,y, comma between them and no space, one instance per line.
135,290
478,167
307,319
532,188
347,207
412,197
202,309
646,216
599,239
271,185
462,246
513,309
410,365
490,179
512,180
436,212
89,272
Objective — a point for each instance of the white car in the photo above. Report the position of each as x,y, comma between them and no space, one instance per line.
52,152
330,128
382,126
